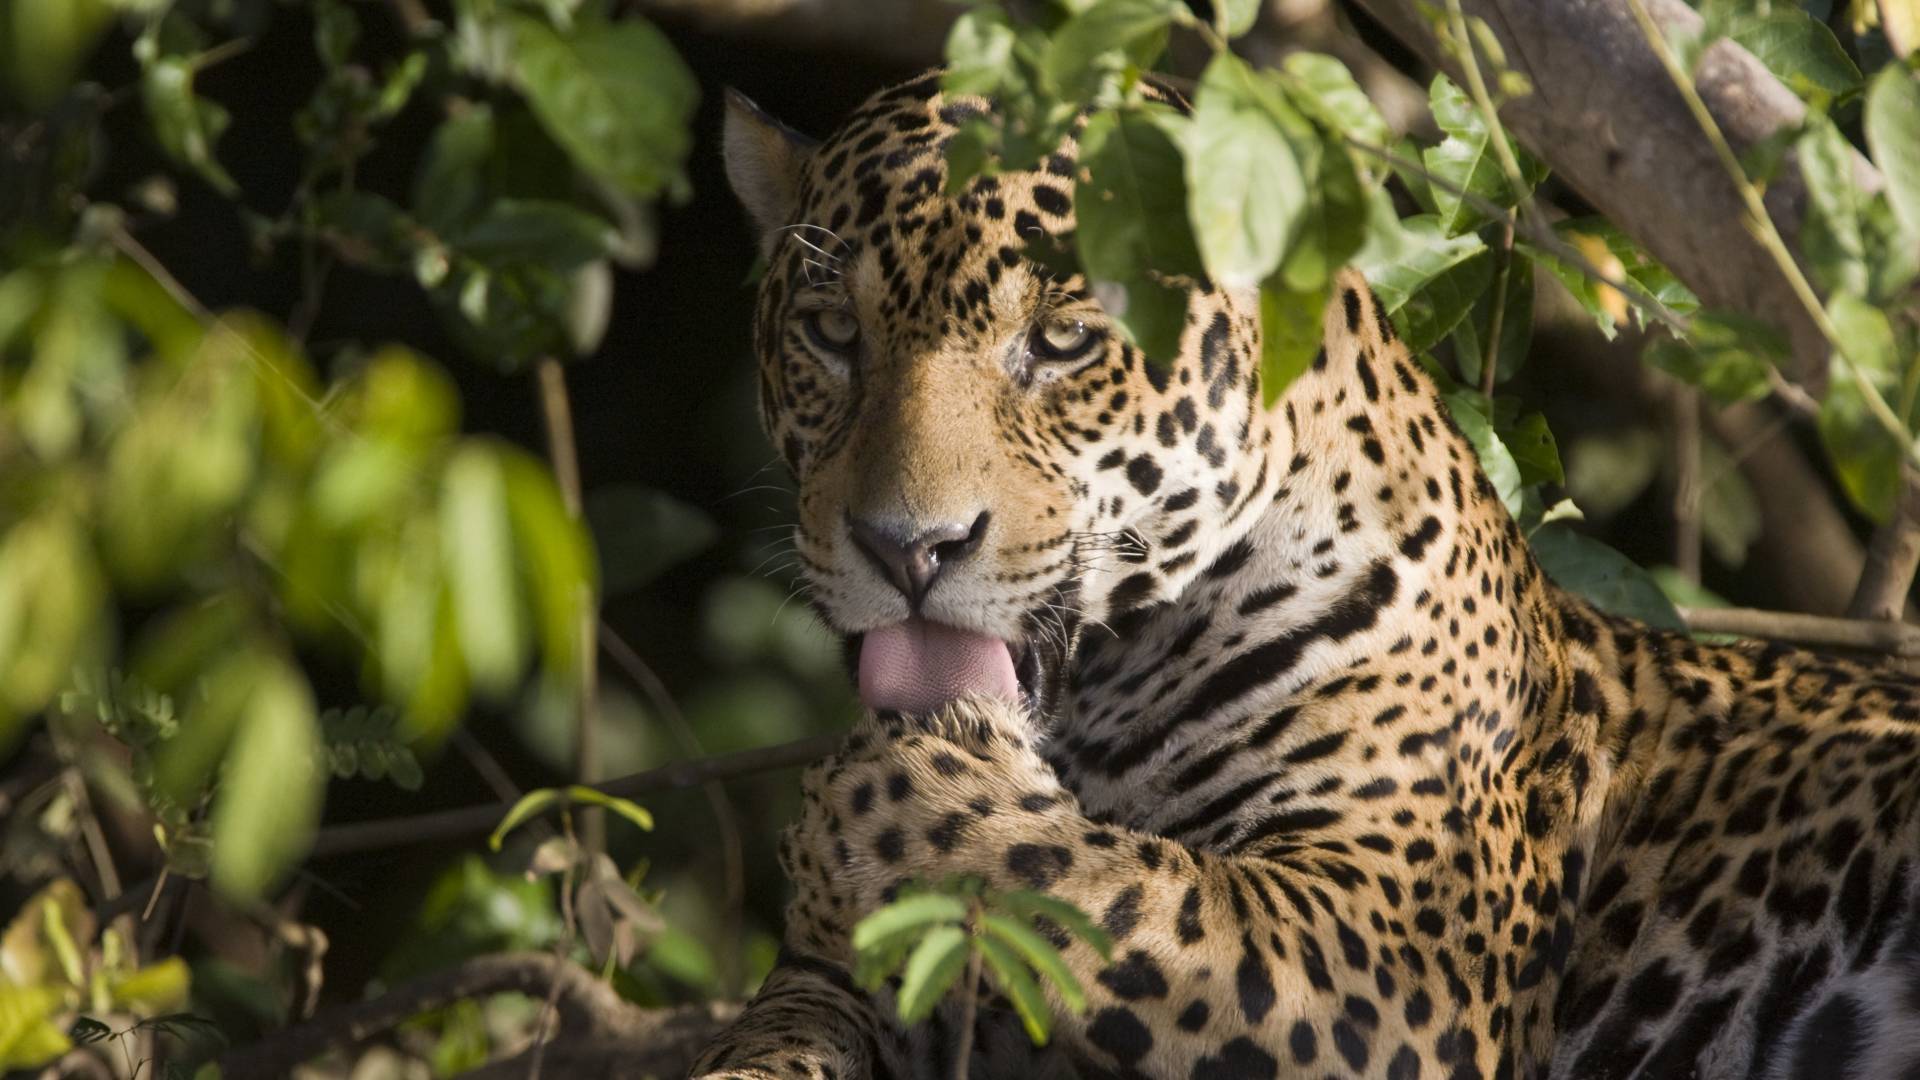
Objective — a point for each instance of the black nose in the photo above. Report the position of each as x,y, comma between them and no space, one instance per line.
913,562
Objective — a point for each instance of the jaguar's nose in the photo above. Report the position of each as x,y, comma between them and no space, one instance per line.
911,556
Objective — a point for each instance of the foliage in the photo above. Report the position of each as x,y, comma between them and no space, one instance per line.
930,935
1288,173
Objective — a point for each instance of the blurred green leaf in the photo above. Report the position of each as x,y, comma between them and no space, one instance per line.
1040,955
931,970
1865,455
1029,904
28,1036
1246,191
979,51
44,43
615,95
185,124
1239,15
1606,470
1103,39
270,789
1730,520
552,234
557,558
1724,354
641,533
909,913
1830,235
50,601
1613,582
1892,124
477,544
1797,48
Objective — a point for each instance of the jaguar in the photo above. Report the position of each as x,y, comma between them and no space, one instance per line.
1279,696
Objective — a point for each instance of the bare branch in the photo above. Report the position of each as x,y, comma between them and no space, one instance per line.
588,1009
1892,638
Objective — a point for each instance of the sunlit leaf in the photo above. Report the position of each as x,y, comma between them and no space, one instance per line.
1103,38
1039,954
1326,91
1426,280
1246,190
1495,459
1131,214
1032,905
477,545
556,557
1797,48
28,1037
1466,161
533,802
979,51
626,808
1830,235
1289,336
1516,326
908,913
158,987
931,969
1014,980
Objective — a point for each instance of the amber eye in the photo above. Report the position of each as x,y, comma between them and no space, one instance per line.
832,329
1062,339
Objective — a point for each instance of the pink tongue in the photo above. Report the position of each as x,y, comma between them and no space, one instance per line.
917,666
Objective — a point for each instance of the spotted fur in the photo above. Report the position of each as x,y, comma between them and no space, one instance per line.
1356,790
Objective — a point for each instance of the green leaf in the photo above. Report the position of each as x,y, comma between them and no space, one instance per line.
615,95
904,914
366,230
1334,226
1017,983
51,600
642,533
1865,455
1726,355
1103,39
1289,336
1131,213
1613,582
43,43
1324,89
1797,48
1892,124
932,968
1466,161
186,125
155,988
451,184
1039,954
335,31
1495,459
270,791
626,808
1246,191
1730,519
1534,451
1830,235
552,234
1426,280
1516,327
1239,15
557,556
1032,905
477,548
533,802
1607,470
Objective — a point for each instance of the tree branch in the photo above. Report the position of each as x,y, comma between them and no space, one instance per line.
1892,557
1606,117
1892,638
587,1007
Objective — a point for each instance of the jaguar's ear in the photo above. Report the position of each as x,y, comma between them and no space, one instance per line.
764,161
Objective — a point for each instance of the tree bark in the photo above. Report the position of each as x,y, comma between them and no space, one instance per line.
1606,117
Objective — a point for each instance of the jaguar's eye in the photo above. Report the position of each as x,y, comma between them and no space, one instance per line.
832,329
1062,339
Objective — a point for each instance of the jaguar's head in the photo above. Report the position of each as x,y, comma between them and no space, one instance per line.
985,464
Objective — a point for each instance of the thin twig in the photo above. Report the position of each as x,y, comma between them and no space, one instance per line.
1490,360
725,816
1869,635
1685,442
565,456
969,1003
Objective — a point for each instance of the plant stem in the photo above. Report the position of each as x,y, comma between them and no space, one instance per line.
1867,635
564,455
1490,362
1482,100
969,1003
